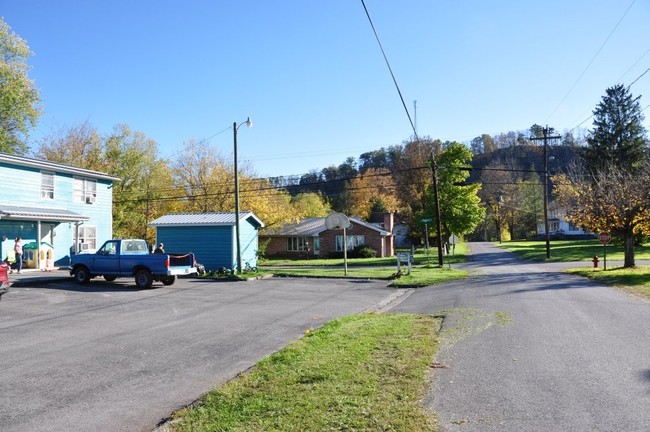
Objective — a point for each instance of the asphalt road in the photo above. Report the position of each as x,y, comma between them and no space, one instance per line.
528,348
107,357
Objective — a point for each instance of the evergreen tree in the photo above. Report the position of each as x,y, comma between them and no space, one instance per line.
618,136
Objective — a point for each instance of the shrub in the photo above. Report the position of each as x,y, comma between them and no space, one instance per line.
357,252
364,252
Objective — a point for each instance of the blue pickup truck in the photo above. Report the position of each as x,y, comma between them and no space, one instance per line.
130,258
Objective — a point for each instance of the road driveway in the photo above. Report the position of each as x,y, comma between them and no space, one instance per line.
107,357
528,348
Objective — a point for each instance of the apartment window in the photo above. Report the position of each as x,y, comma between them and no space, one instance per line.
87,237
47,185
353,241
297,244
85,190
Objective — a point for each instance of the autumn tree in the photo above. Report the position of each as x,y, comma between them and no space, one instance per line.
496,193
610,192
144,179
413,175
19,98
78,145
140,194
310,205
482,144
382,158
273,206
203,179
374,190
612,199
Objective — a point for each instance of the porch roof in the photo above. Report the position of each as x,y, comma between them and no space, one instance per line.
39,213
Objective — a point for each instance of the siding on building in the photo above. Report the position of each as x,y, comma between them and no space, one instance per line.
210,236
26,213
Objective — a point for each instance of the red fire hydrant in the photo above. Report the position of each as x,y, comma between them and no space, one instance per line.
595,261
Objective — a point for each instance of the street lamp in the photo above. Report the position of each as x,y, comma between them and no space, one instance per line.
235,126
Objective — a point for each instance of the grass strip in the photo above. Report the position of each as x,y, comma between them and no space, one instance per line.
635,280
361,372
421,257
420,276
571,250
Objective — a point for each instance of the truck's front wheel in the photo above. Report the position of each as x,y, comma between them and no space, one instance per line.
81,275
143,279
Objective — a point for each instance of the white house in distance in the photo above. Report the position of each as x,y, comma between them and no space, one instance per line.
558,226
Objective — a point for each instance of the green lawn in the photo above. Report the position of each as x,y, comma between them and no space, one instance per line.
420,275
634,280
420,257
571,250
361,372
424,271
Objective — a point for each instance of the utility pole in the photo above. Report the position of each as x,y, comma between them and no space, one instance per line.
545,138
434,173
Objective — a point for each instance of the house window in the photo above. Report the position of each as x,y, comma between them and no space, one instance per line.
297,244
316,244
87,237
85,190
353,241
47,185
573,227
554,226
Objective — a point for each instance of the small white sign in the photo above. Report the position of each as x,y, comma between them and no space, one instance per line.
404,257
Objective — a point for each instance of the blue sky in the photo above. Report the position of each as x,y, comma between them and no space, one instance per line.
311,75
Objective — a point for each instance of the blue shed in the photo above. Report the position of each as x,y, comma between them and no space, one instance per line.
210,236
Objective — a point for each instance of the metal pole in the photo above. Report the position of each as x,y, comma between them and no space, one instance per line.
426,238
234,130
345,253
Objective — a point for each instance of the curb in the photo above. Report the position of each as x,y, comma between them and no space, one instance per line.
390,302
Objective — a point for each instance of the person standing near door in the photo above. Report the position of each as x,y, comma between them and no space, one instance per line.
18,249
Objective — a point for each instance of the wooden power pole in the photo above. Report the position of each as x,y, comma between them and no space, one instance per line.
545,137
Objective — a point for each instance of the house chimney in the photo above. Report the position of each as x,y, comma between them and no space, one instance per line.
389,222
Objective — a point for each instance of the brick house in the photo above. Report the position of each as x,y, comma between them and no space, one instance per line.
310,238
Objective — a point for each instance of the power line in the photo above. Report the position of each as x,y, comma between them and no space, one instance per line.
194,144
635,63
628,87
638,78
390,69
591,61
